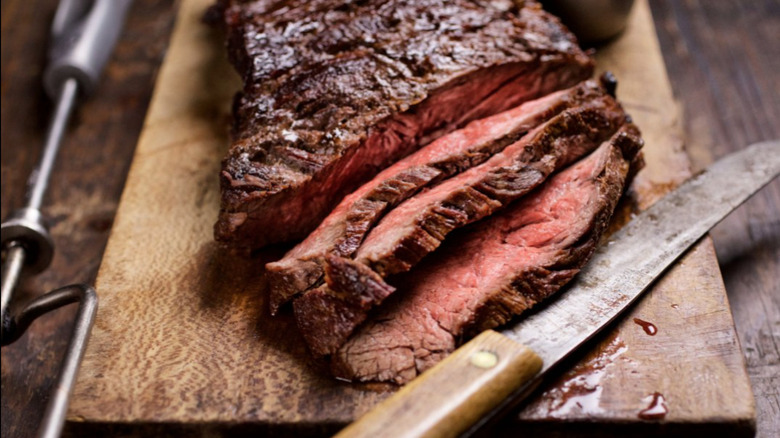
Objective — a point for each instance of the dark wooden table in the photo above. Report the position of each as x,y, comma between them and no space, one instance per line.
723,61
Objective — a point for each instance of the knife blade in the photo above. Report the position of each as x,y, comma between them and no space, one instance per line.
496,369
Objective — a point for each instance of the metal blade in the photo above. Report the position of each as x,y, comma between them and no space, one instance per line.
635,256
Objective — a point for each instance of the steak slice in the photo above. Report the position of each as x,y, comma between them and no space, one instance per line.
494,270
336,91
344,229
419,225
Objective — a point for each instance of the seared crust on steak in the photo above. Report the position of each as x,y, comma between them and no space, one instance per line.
338,312
335,91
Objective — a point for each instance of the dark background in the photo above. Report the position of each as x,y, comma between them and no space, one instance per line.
723,59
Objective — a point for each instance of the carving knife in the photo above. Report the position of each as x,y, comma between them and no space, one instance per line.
497,369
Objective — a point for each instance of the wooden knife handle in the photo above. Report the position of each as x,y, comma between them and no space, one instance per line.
453,395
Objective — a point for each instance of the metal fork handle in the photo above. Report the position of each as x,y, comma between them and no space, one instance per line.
83,35
15,326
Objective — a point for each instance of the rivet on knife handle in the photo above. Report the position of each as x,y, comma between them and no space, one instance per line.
447,399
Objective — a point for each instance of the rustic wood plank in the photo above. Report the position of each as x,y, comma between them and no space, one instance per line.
183,336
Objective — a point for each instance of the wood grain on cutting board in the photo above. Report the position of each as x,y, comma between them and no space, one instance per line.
183,341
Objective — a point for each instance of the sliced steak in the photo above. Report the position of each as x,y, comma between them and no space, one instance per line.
344,229
492,271
418,226
336,91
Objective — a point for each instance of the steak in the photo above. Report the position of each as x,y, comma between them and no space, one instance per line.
419,225
342,232
335,91
496,269
329,314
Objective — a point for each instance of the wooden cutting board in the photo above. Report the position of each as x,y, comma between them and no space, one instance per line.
183,342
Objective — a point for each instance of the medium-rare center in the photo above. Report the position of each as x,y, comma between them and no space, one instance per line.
336,91
494,270
416,227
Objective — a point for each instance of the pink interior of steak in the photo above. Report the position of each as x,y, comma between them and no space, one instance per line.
531,242
343,230
550,146
304,199
418,225
406,235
